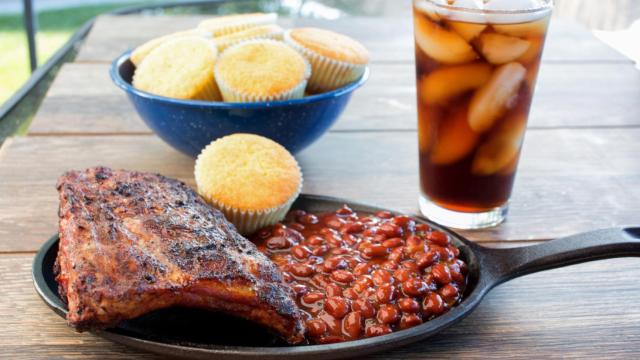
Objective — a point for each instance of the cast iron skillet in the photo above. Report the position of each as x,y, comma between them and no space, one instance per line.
197,334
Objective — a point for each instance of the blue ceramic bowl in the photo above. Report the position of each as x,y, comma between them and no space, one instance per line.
190,125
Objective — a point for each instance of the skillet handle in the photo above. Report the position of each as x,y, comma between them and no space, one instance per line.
505,264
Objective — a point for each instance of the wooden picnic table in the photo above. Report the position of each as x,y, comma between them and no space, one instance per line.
580,170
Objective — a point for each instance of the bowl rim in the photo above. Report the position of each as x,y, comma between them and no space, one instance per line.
127,87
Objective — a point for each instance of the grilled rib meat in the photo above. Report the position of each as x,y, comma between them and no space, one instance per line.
133,242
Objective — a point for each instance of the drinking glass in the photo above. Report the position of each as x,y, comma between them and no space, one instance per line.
476,70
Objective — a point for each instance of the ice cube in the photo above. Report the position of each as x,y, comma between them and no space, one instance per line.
468,31
469,4
440,44
512,4
532,76
494,8
533,52
510,168
491,100
434,12
500,49
454,139
448,82
426,119
530,28
499,152
472,16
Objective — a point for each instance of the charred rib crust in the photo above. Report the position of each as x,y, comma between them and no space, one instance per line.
133,242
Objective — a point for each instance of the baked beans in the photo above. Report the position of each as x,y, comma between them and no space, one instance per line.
363,275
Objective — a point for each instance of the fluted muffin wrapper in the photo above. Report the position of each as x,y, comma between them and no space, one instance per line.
233,95
326,74
277,35
231,27
248,221
209,91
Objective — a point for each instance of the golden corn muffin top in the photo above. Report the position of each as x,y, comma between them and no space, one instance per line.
247,172
261,67
181,68
222,25
270,30
143,50
330,44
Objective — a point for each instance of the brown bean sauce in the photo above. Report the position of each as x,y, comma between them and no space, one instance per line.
364,275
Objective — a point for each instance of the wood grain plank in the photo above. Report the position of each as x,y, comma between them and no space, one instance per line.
568,95
82,99
583,311
389,39
29,329
23,223
569,180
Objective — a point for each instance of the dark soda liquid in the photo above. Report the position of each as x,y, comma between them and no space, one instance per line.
475,83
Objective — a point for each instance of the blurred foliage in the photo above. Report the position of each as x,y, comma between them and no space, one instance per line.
60,19
55,27
17,121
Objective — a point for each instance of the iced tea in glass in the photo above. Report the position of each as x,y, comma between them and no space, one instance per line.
476,68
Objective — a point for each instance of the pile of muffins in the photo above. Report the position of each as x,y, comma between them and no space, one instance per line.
247,58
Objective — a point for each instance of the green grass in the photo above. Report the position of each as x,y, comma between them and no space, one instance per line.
54,29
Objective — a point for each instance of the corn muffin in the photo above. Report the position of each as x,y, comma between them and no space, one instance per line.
336,59
261,70
270,31
223,25
181,68
143,50
251,179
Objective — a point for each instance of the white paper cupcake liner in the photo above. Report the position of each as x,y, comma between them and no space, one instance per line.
239,25
209,92
276,35
232,95
246,221
326,74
